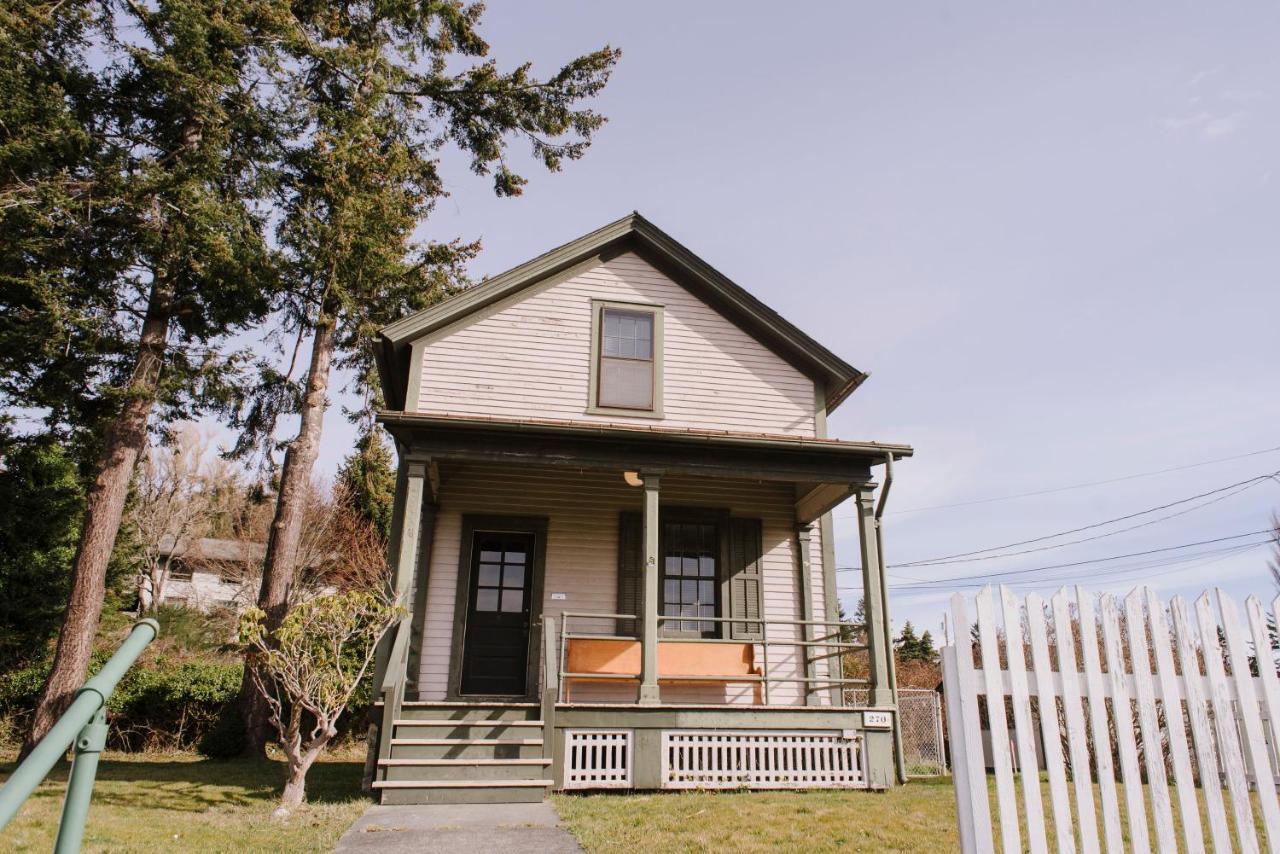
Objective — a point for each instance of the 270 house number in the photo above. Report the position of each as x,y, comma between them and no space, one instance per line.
876,720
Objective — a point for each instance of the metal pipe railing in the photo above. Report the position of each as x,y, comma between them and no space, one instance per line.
833,646
84,723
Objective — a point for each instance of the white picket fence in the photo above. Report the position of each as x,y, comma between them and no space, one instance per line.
1181,715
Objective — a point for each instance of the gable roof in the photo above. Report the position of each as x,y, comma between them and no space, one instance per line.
631,233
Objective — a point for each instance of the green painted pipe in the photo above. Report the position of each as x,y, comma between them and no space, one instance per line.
89,703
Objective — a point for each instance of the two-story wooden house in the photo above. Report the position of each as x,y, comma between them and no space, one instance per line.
613,537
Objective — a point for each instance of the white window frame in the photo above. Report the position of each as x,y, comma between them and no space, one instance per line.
598,307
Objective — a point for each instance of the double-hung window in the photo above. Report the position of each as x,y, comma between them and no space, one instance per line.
627,369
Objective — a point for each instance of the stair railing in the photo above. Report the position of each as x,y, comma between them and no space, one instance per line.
84,723
393,686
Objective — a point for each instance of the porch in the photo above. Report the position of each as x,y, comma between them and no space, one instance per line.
625,609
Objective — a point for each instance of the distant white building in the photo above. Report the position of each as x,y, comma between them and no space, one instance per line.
209,573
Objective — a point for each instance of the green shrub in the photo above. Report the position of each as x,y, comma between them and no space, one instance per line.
159,706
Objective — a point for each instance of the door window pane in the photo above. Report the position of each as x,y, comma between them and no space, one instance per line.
512,601
490,573
513,576
486,599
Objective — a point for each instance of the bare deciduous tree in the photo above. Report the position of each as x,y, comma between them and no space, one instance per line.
179,486
308,668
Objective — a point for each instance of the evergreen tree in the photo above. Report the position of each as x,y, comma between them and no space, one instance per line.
43,500
383,86
367,481
135,143
908,644
927,650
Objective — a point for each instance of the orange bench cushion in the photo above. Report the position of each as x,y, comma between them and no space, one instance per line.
621,657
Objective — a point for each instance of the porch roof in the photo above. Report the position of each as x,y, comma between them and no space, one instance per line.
825,471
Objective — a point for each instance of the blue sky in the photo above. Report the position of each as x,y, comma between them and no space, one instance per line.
1050,235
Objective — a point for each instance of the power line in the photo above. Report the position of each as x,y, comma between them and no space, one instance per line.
965,557
1162,563
1012,572
1056,489
1149,568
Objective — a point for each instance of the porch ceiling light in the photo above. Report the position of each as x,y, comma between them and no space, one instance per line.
633,478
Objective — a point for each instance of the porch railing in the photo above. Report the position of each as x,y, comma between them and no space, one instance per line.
813,649
84,723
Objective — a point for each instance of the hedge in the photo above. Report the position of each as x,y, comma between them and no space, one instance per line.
158,707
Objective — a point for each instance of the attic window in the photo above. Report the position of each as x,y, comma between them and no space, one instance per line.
627,359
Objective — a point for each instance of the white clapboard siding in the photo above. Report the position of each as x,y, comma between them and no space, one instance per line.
1229,718
529,356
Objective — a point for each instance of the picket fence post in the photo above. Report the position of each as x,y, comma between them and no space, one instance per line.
1165,710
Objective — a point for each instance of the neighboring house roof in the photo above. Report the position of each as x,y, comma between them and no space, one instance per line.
212,549
636,234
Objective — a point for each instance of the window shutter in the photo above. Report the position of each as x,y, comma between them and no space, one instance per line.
745,579
630,569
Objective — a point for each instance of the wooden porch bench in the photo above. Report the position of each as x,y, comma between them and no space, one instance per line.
599,660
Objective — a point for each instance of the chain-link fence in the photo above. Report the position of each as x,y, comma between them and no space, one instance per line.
920,713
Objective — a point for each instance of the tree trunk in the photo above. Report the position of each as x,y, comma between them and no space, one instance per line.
123,442
299,762
280,566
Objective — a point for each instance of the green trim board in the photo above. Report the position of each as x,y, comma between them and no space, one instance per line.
630,233
471,523
629,448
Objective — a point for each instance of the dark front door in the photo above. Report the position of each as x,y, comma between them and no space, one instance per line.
495,651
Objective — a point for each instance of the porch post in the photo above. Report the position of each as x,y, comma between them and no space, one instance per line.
803,541
649,621
875,601
406,522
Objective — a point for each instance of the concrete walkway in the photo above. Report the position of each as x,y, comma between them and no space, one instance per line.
458,828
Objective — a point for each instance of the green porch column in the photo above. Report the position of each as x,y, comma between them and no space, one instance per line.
406,522
803,544
649,619
876,601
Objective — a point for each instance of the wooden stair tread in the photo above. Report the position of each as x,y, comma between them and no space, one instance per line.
462,784
463,741
463,762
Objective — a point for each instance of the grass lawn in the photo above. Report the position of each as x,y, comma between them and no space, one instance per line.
172,802
916,817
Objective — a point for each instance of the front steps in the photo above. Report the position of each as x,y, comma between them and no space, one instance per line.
465,753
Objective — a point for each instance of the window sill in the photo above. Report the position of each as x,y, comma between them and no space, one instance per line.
626,413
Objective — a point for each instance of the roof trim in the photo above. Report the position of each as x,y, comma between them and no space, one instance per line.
687,435
635,233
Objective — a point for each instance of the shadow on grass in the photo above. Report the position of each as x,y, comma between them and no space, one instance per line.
196,785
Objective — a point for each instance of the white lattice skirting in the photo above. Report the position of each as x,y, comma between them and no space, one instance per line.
597,759
698,759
